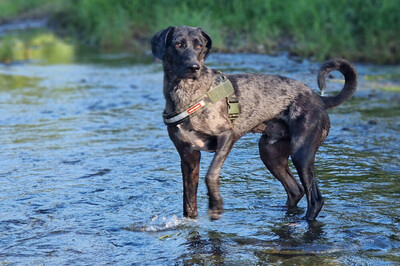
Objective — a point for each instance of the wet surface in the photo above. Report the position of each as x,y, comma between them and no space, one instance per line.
89,175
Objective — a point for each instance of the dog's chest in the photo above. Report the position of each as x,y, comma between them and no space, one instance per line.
181,95
211,119
198,140
202,129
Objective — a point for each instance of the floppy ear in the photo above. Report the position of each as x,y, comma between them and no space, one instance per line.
158,44
208,43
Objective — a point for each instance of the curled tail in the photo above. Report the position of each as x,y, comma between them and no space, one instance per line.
350,77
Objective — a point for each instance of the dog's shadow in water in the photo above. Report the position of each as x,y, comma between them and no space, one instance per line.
293,230
215,247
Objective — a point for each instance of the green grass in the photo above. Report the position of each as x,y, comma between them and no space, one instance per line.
360,30
11,8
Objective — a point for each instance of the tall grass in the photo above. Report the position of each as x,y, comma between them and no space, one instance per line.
362,30
12,8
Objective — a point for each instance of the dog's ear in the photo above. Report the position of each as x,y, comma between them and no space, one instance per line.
208,43
158,44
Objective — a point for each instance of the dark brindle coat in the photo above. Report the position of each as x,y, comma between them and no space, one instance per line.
292,118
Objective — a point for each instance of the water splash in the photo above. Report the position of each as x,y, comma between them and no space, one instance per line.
161,224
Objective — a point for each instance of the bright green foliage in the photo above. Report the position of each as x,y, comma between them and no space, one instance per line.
363,30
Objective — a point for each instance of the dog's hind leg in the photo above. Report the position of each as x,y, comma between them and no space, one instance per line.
304,146
303,160
275,157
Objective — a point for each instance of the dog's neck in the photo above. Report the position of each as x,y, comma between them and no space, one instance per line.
180,93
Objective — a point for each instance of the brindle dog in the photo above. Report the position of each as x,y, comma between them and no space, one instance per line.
291,117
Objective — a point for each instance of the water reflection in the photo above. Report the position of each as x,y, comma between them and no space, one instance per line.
294,233
15,82
204,250
217,248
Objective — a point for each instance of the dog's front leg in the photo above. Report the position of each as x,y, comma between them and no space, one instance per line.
190,164
224,146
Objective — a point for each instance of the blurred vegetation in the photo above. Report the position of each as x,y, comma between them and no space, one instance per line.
359,30
38,45
29,8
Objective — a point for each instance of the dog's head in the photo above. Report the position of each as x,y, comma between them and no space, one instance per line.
182,50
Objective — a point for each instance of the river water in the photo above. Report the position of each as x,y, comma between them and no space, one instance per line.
88,174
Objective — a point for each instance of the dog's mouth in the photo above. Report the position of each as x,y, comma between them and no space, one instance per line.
190,75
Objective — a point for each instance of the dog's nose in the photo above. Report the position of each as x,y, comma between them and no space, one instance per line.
194,68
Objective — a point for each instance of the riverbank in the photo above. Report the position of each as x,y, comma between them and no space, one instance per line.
363,31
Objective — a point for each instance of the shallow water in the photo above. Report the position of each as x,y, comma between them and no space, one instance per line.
88,174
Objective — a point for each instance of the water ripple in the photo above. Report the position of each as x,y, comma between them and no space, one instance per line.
88,173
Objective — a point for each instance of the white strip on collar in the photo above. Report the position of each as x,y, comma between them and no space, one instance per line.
192,109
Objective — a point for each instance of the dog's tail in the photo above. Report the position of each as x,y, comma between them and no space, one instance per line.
350,77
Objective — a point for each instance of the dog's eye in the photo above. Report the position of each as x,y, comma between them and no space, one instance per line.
178,44
199,46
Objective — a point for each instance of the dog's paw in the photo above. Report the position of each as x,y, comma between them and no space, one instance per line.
215,214
313,210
